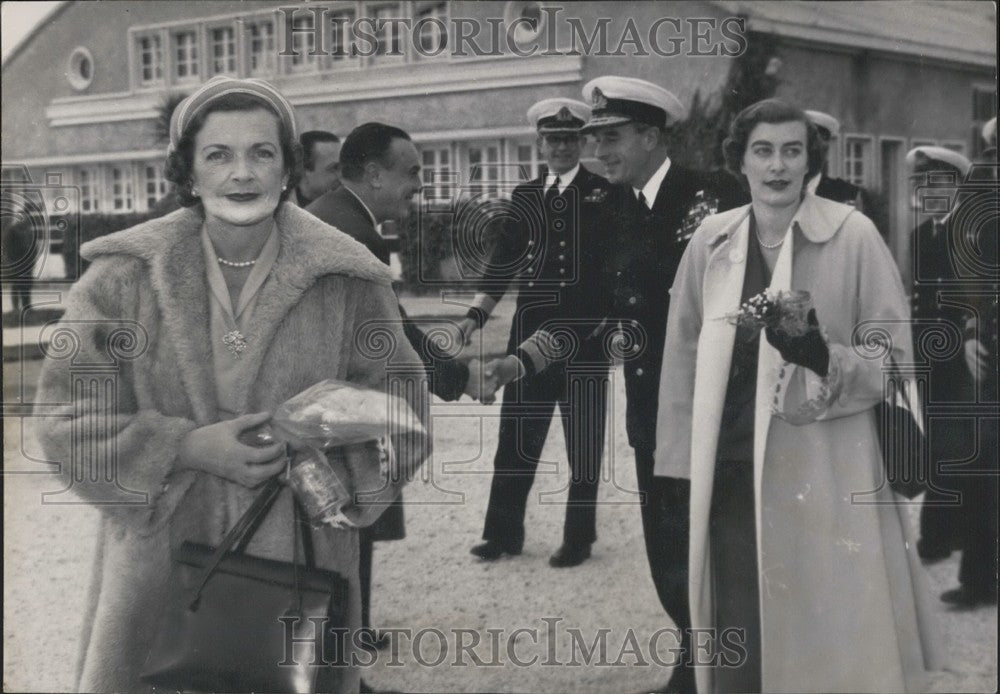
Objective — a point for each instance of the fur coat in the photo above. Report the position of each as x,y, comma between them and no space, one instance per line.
141,311
843,601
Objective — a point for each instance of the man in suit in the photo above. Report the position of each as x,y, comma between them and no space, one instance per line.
822,184
936,269
551,252
379,177
650,216
320,164
977,573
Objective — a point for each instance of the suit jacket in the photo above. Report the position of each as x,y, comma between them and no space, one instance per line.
552,251
342,209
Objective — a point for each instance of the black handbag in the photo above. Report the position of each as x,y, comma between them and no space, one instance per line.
903,442
238,623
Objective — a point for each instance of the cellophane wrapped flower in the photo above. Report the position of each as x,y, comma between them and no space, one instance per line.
317,423
783,311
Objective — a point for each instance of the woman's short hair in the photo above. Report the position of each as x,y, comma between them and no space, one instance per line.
770,111
180,160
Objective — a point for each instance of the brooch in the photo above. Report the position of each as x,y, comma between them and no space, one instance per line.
235,342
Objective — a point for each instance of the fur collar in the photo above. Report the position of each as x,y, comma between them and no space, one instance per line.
817,218
309,247
171,250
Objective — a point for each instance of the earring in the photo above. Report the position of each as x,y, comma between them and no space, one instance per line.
194,192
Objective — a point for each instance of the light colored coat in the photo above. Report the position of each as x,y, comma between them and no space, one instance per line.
843,603
325,311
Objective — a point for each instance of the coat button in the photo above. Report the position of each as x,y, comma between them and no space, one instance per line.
531,243
635,324
639,371
619,273
562,257
632,300
531,269
562,244
562,271
562,284
531,284
530,256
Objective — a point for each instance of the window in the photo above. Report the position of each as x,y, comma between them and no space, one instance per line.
86,182
437,175
388,33
150,59
222,46
340,35
857,160
186,55
484,168
156,184
431,29
262,48
80,71
121,188
525,160
303,43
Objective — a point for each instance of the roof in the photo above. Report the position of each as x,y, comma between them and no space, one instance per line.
960,31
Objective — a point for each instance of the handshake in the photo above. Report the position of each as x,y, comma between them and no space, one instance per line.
486,379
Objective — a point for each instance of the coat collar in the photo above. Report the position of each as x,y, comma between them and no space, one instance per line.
171,250
817,218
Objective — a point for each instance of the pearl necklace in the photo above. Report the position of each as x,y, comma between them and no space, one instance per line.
759,240
245,263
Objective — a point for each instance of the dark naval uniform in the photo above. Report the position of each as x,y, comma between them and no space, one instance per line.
839,190
553,254
951,438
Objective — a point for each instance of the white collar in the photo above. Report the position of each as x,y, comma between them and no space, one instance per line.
652,186
813,183
375,222
564,178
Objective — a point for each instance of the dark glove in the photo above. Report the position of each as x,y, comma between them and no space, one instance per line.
807,350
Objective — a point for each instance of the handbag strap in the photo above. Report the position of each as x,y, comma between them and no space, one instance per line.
258,509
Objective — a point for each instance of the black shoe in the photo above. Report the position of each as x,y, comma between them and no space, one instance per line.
570,555
932,551
491,550
372,640
965,597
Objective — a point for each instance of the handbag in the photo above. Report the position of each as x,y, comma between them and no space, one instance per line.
238,623
902,439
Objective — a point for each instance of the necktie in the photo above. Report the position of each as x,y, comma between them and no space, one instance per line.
642,203
550,194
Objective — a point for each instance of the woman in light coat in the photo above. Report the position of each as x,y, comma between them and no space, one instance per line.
800,555
209,318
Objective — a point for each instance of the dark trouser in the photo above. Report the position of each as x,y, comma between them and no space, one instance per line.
366,546
978,542
525,416
666,529
942,517
735,590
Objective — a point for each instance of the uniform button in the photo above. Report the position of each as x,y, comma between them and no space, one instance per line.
530,256
562,257
635,324
531,269
562,244
531,243
531,284
639,371
562,284
632,300
562,271
619,273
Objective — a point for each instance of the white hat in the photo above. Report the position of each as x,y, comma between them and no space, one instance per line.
825,121
558,115
619,100
990,132
937,154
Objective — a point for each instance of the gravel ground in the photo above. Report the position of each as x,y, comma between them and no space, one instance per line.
429,581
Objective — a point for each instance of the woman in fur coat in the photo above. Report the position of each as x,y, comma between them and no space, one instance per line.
800,557
212,316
